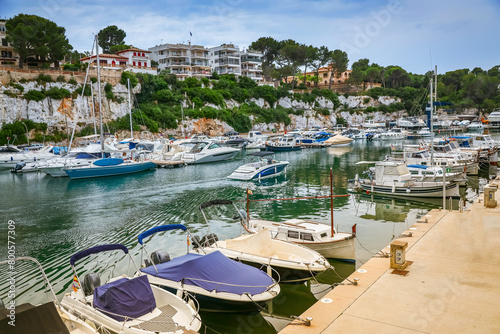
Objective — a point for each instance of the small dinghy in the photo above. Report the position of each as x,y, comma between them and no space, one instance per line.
218,283
128,305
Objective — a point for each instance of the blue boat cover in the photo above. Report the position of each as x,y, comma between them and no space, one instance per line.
213,271
108,162
95,250
418,166
125,298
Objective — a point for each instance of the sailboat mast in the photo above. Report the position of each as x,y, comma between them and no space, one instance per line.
331,201
99,89
130,109
432,127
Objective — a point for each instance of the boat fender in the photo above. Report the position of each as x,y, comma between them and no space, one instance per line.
90,282
408,190
160,256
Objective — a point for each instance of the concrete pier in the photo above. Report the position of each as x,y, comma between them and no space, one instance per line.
451,286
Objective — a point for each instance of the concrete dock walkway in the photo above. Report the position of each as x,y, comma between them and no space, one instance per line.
452,286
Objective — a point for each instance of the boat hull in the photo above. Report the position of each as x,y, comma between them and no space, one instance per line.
342,250
192,159
102,171
452,190
282,148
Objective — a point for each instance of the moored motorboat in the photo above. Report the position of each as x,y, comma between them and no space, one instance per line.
394,178
264,167
127,305
205,152
217,282
292,262
47,317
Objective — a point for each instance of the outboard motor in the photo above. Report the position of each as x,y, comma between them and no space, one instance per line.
90,282
158,257
209,239
196,241
18,167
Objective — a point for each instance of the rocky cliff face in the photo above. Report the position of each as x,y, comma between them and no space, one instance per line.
60,114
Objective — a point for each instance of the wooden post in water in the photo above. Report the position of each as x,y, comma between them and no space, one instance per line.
331,199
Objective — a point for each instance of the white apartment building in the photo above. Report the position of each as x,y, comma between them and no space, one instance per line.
132,59
183,60
251,65
225,59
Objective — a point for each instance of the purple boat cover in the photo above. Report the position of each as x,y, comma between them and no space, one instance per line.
213,271
125,297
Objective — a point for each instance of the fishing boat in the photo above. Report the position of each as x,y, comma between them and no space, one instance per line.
287,261
128,305
47,317
263,166
205,152
394,178
285,143
217,282
322,238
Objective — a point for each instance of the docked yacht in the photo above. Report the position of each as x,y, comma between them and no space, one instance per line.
393,134
206,151
11,159
494,117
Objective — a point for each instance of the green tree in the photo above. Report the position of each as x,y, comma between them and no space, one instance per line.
35,36
111,36
270,49
321,59
119,47
338,64
396,77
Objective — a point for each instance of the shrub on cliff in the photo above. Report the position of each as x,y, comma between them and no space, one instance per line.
57,93
34,95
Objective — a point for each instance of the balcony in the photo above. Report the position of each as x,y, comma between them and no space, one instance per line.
251,60
178,63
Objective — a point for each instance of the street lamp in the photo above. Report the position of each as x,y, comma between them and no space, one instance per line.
27,133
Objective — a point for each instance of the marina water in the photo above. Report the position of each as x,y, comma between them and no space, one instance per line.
56,217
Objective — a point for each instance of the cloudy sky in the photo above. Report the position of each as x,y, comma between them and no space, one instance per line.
414,34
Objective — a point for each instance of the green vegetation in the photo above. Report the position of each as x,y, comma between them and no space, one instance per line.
17,131
57,93
111,36
37,38
34,95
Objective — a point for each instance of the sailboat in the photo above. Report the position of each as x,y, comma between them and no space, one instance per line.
108,166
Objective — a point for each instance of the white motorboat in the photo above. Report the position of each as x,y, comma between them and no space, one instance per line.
393,134
256,140
372,124
263,166
354,133
494,117
288,142
290,261
127,305
394,178
317,236
232,286
477,125
424,132
10,160
48,317
205,152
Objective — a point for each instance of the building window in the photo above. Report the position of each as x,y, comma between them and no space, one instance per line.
135,54
133,63
143,54
325,75
4,42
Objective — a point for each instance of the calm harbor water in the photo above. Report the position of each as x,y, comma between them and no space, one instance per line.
55,218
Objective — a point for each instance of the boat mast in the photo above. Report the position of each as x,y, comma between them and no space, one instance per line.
130,109
99,88
331,200
432,126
